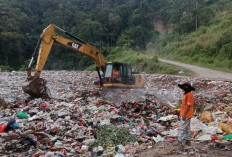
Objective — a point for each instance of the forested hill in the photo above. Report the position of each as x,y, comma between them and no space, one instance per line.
107,24
204,39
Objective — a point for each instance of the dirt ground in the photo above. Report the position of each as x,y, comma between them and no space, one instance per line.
197,149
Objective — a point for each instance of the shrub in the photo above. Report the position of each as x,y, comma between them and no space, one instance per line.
6,68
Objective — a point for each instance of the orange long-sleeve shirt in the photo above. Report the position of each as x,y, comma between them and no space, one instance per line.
187,100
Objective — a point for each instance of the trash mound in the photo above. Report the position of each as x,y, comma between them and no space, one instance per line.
82,121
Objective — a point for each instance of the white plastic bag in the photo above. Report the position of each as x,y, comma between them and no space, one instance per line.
158,139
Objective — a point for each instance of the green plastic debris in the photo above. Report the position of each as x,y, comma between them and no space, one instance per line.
89,110
144,100
22,115
228,137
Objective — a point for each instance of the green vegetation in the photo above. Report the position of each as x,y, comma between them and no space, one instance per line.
196,32
209,46
109,135
141,62
99,22
5,68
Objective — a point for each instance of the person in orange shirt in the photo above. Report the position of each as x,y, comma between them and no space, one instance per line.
186,113
115,73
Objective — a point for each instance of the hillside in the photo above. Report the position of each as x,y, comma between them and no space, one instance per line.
210,45
100,23
179,30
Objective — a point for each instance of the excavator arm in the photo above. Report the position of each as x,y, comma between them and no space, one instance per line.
47,39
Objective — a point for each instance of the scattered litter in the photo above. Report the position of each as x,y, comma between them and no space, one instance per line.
80,119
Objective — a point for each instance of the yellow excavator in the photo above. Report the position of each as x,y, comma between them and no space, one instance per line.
111,74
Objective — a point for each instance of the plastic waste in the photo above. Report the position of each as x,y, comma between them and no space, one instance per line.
196,126
2,128
49,154
119,155
89,110
14,126
102,108
37,154
170,139
169,117
214,138
100,150
158,139
121,119
22,115
84,147
206,116
105,122
59,154
120,149
71,124
144,100
11,124
204,137
228,137
225,127
173,133
192,132
89,142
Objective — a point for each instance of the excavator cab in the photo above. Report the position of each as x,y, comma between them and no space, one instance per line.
119,74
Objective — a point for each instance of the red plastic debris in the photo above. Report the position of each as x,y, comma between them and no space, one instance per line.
37,154
192,132
171,139
43,105
214,138
64,151
2,128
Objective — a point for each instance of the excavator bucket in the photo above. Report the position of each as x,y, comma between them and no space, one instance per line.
31,89
36,88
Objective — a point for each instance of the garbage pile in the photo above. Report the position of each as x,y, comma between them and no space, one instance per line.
81,120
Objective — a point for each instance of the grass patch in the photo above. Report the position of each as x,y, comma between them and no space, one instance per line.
141,62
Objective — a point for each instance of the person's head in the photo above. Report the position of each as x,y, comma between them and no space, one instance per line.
116,68
186,87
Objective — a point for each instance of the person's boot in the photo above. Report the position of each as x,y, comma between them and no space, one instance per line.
188,143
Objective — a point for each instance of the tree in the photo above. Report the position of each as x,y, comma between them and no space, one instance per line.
140,27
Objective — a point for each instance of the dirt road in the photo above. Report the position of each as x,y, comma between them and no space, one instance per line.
201,72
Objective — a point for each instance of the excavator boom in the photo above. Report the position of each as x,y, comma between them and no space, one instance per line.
49,37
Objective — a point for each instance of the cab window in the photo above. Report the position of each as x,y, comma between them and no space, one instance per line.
108,72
